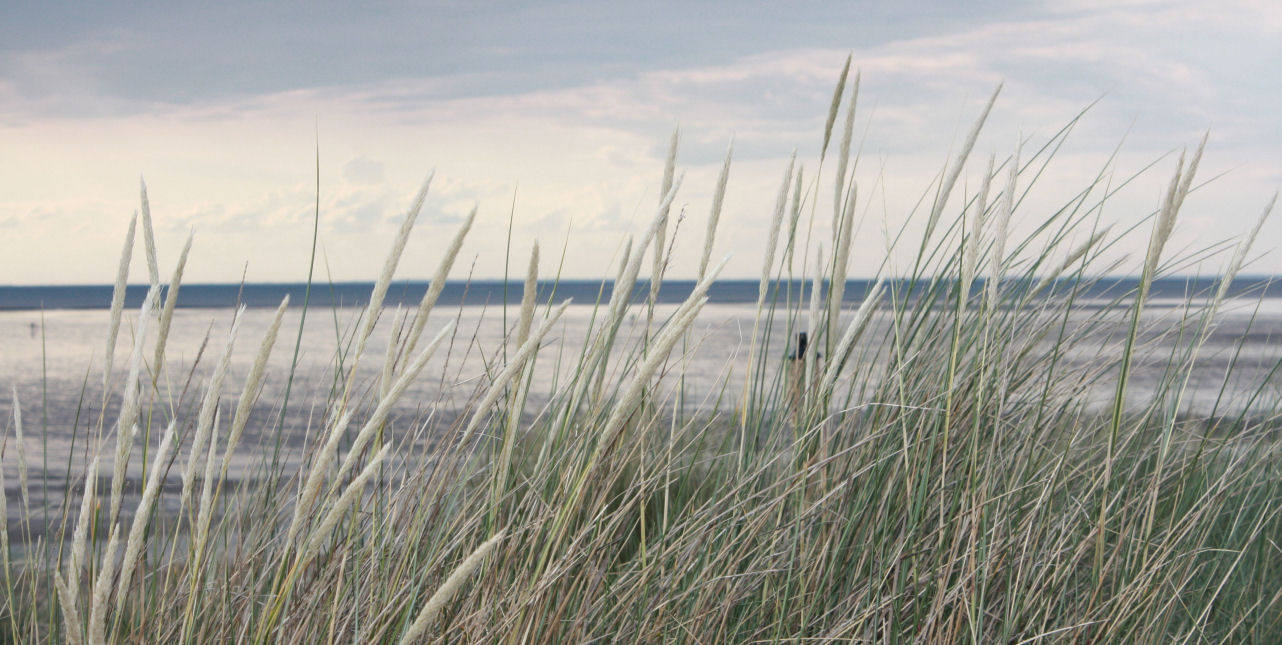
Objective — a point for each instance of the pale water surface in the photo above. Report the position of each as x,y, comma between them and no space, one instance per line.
55,362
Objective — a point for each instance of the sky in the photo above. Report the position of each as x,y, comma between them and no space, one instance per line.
553,120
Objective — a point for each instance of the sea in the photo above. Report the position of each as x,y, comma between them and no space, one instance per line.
53,355
494,292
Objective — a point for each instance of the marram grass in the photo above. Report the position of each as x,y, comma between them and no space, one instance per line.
939,474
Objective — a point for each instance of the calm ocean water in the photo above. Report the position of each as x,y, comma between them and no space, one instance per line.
53,357
481,292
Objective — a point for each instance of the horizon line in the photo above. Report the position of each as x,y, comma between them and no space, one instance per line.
485,292
1247,277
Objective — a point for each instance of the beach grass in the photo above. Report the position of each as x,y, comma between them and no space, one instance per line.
934,469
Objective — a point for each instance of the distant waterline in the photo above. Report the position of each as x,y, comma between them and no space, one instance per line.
493,292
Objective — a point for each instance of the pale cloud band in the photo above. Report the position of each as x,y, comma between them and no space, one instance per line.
567,108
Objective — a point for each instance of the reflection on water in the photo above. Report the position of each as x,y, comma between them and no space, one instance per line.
54,360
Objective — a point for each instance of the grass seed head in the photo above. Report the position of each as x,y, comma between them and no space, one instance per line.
836,103
148,236
438,283
718,198
529,295
450,587
118,302
142,518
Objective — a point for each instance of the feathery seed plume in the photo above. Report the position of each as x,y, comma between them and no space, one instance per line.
389,269
205,418
529,294
947,187
776,222
167,312
1243,247
142,517
718,198
81,533
1003,228
1165,223
70,615
853,331
384,408
133,384
126,425
249,394
841,260
205,512
843,158
790,246
662,345
661,234
623,265
447,590
1187,182
21,446
349,497
970,259
118,303
816,288
621,296
523,354
389,353
325,456
102,590
437,284
149,237
681,320
836,102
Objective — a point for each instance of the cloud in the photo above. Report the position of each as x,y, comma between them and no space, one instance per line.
363,170
567,109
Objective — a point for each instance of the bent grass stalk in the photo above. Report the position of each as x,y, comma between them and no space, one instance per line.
448,588
718,199
249,395
843,159
523,354
367,432
438,283
328,453
946,188
167,312
389,269
113,327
